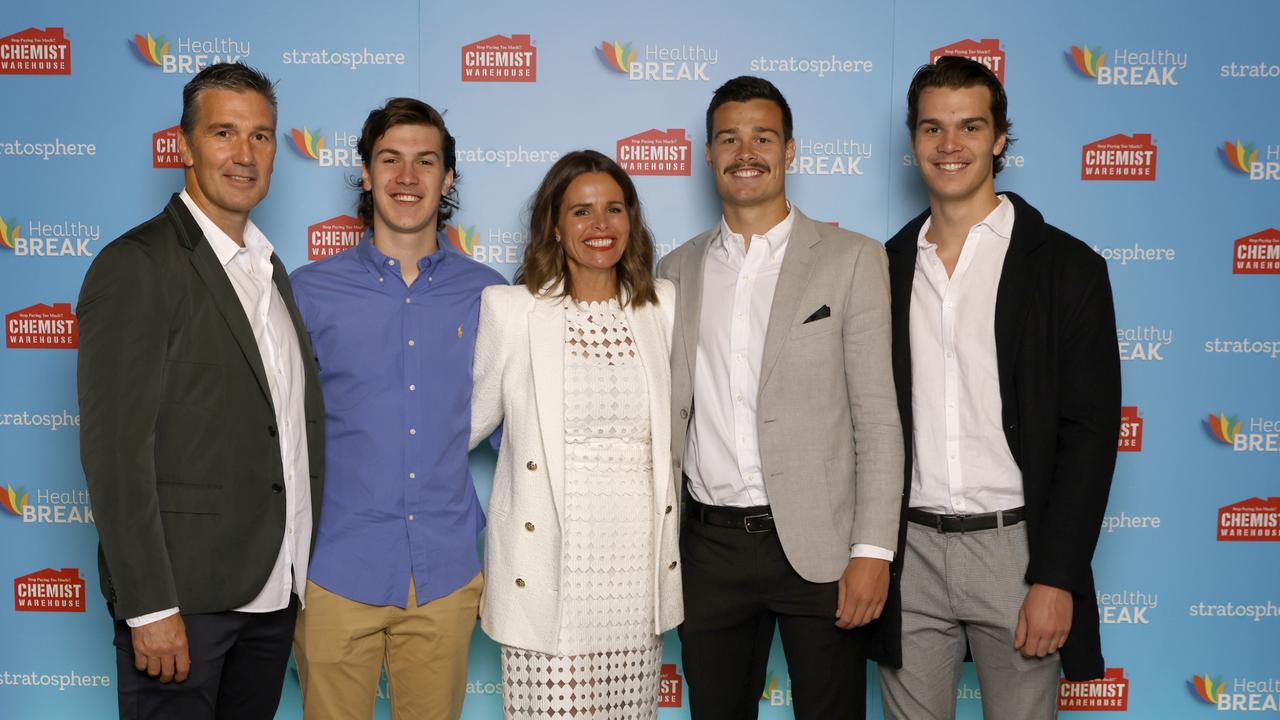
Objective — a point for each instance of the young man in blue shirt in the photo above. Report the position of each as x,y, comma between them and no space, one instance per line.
395,575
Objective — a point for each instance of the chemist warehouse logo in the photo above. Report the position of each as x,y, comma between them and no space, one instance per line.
332,236
48,327
986,51
1243,158
340,151
654,152
49,590
37,238
164,148
187,55
658,62
1238,694
498,247
1127,67
50,507
1259,435
1119,157
1110,692
670,687
500,59
1257,254
35,52
1252,520
1130,429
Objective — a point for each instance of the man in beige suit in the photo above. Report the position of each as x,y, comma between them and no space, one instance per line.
785,425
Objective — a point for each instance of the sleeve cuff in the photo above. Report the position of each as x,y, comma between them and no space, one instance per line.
871,551
150,617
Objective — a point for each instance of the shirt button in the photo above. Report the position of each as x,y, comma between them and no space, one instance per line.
410,517
412,388
684,414
407,301
413,431
531,465
519,582
528,526
672,566
391,262
381,279
277,488
412,343
413,476
430,278
667,511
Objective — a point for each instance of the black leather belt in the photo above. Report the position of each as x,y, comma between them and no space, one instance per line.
751,519
966,523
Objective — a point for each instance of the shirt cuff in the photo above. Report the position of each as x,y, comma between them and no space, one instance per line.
150,617
871,551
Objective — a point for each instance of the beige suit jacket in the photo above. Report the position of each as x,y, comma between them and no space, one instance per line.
827,416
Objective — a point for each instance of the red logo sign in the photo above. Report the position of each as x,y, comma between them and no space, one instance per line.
1110,692
49,590
500,59
1254,519
332,236
1119,157
42,326
654,152
1258,254
35,52
670,687
987,51
1130,429
164,148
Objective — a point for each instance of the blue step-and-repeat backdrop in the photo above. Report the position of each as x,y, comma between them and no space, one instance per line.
1149,129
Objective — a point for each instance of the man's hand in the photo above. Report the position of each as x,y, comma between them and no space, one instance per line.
864,586
1043,621
160,649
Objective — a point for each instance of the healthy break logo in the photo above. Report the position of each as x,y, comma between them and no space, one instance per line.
1243,158
986,51
1154,66
37,238
1238,694
659,62
500,59
314,146
1260,435
655,152
500,247
187,55
35,52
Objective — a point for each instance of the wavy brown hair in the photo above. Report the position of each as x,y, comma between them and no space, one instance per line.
545,262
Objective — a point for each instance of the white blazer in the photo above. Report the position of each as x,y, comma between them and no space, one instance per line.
519,377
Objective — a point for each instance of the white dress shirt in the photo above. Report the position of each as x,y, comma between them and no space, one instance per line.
722,450
962,460
250,271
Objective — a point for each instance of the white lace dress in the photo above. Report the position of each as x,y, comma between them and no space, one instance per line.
610,657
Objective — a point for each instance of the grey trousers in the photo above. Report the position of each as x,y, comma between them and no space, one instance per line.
958,586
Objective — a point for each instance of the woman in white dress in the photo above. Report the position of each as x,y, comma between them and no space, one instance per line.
581,557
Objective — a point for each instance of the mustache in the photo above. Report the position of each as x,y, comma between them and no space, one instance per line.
762,167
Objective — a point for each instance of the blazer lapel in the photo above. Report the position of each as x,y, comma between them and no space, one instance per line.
793,278
220,290
654,354
690,301
546,350
1012,295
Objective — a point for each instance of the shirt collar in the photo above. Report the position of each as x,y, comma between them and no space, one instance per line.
380,262
775,238
998,221
255,243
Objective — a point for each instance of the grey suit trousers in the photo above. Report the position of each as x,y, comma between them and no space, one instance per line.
958,586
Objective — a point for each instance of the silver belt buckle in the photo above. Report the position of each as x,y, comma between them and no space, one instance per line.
746,522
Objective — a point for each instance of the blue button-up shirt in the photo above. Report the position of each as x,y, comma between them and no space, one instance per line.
395,366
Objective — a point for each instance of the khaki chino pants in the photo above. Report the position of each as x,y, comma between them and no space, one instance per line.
341,645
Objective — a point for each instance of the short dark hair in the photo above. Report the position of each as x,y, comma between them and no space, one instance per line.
954,73
405,111
747,87
224,76
544,260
